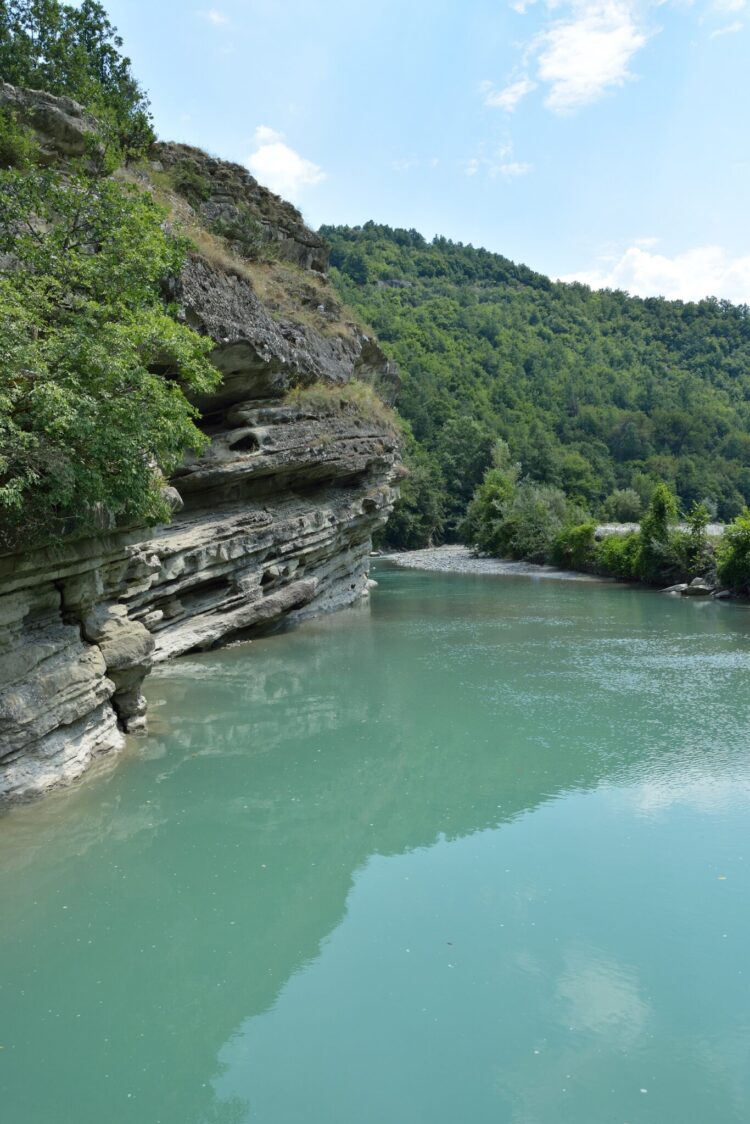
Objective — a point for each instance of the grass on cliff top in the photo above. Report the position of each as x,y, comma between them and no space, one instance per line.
287,291
354,398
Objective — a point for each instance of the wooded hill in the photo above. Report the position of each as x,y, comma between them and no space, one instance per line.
596,392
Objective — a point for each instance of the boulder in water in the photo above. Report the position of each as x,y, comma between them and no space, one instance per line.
698,587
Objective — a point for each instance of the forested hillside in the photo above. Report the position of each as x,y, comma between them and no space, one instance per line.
598,393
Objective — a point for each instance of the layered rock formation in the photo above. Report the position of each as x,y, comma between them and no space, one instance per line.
272,523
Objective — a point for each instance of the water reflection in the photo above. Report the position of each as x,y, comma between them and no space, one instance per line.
311,805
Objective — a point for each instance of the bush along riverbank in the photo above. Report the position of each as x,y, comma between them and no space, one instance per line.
516,518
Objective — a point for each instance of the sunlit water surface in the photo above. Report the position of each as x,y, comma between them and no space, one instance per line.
480,854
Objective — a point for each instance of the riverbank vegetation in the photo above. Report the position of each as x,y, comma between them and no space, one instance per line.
514,517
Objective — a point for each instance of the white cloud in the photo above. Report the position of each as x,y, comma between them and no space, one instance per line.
279,167
509,97
217,18
701,272
581,57
730,29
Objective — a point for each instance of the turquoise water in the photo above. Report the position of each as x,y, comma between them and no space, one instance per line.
480,854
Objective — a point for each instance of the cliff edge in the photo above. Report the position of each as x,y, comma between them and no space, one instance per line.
272,523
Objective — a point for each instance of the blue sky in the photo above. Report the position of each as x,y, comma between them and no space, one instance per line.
603,139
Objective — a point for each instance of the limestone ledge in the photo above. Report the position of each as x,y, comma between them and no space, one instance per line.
81,626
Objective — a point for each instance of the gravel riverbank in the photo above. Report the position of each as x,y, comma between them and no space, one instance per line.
460,560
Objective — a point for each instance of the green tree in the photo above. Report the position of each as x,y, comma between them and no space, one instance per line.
463,451
697,553
92,407
656,561
483,526
624,505
594,392
418,515
75,50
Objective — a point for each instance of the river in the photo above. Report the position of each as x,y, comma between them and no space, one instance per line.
478,853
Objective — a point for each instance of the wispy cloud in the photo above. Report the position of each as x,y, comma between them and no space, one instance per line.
279,167
498,162
511,170
730,29
214,16
509,97
728,7
409,163
691,275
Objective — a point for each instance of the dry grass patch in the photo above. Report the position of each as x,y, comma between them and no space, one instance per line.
355,398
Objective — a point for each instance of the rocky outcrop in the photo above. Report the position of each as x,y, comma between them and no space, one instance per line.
261,354
272,523
63,128
228,198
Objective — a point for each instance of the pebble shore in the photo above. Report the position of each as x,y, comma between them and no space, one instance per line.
461,560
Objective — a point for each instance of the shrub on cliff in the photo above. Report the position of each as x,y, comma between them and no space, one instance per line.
92,409
17,147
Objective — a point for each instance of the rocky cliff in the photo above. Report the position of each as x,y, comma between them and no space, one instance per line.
272,523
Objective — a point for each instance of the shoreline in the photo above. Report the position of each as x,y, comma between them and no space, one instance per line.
461,560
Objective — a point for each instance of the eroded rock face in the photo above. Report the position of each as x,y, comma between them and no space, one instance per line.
81,627
272,523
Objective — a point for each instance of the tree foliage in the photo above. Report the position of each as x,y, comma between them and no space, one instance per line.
93,364
733,556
